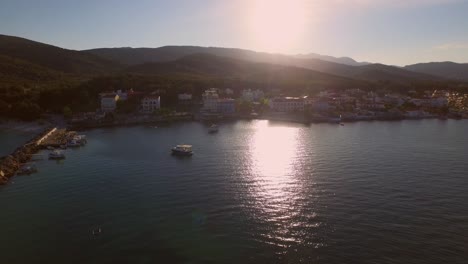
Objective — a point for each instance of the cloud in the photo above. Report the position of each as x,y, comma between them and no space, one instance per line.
452,46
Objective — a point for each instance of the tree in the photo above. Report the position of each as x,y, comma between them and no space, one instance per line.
67,112
26,110
244,107
4,108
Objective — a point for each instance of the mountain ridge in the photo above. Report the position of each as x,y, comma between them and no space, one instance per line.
445,69
118,60
53,57
133,56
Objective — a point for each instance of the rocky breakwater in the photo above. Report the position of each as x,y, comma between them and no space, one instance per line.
10,164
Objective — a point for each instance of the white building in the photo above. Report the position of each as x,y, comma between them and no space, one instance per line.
287,104
150,103
226,106
210,100
250,96
109,102
228,91
184,97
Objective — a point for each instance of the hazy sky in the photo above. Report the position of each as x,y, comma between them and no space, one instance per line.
393,32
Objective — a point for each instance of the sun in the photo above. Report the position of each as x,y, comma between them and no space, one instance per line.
276,25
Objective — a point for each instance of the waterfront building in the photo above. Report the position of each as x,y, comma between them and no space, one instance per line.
252,95
109,102
210,100
228,91
185,102
287,104
150,103
226,106
320,105
184,97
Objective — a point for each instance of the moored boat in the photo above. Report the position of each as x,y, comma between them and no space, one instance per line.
182,150
27,169
213,129
56,154
73,144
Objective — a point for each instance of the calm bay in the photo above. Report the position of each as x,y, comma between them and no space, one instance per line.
256,192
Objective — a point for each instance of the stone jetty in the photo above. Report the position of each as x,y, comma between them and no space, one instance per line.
10,164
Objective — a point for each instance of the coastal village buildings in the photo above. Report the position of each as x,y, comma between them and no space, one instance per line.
151,103
350,104
228,92
212,103
226,106
252,95
184,97
184,101
210,100
287,104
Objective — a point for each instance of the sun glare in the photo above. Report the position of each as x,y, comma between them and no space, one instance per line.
277,25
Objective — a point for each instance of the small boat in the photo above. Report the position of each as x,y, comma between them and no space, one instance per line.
213,129
81,139
73,144
50,148
27,169
57,155
182,150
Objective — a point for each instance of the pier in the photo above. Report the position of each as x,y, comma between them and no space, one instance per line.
51,137
54,138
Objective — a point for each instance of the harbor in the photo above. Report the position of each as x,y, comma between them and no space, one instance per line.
18,162
237,179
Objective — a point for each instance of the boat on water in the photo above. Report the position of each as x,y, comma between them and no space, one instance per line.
27,169
73,144
182,150
213,129
50,148
57,155
77,141
81,139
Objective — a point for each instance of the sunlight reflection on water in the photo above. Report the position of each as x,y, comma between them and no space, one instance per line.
274,158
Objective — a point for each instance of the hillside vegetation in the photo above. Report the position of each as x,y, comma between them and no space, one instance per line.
38,78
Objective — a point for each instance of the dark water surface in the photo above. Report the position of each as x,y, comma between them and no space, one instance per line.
11,139
256,192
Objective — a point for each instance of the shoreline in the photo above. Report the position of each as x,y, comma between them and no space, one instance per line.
23,126
10,164
292,119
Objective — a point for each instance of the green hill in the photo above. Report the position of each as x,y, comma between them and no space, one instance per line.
55,58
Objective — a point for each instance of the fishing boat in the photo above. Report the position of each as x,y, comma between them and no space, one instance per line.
57,155
182,150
